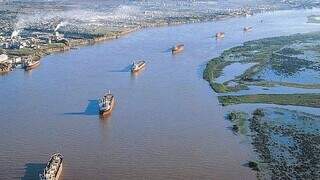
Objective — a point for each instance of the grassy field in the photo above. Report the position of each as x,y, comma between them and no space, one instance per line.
309,100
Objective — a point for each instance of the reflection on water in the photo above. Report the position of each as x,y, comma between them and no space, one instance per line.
136,74
301,76
28,73
105,118
232,71
167,124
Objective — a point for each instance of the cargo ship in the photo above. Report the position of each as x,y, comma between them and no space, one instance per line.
178,48
137,66
30,64
220,35
53,169
247,29
106,104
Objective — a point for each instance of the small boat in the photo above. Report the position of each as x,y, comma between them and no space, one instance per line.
220,35
178,48
247,29
137,66
53,168
106,104
30,64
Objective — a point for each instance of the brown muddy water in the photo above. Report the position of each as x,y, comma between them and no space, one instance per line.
167,123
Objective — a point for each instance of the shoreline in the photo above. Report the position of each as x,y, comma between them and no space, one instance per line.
40,53
82,41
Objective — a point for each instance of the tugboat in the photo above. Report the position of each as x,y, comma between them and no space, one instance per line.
220,35
177,48
53,169
247,29
30,64
106,104
137,66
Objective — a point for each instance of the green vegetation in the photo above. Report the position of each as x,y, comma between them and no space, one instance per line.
310,100
56,45
239,120
293,85
224,88
290,51
287,144
277,54
21,52
258,112
253,165
214,68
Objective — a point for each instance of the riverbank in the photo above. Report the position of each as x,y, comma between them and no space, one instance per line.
24,21
47,49
29,32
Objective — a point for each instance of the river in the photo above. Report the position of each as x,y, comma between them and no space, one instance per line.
167,122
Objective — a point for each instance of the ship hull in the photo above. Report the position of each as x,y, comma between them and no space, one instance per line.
34,65
220,36
247,29
52,176
140,66
177,49
59,172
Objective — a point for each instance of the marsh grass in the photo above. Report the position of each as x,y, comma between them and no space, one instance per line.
309,100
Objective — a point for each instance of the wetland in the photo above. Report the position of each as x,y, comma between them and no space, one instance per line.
278,71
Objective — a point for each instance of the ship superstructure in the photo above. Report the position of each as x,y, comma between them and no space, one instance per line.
53,169
137,66
106,104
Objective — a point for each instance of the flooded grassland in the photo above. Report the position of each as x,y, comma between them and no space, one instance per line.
290,61
276,71
286,142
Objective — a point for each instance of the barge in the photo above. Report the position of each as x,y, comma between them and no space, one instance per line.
53,169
